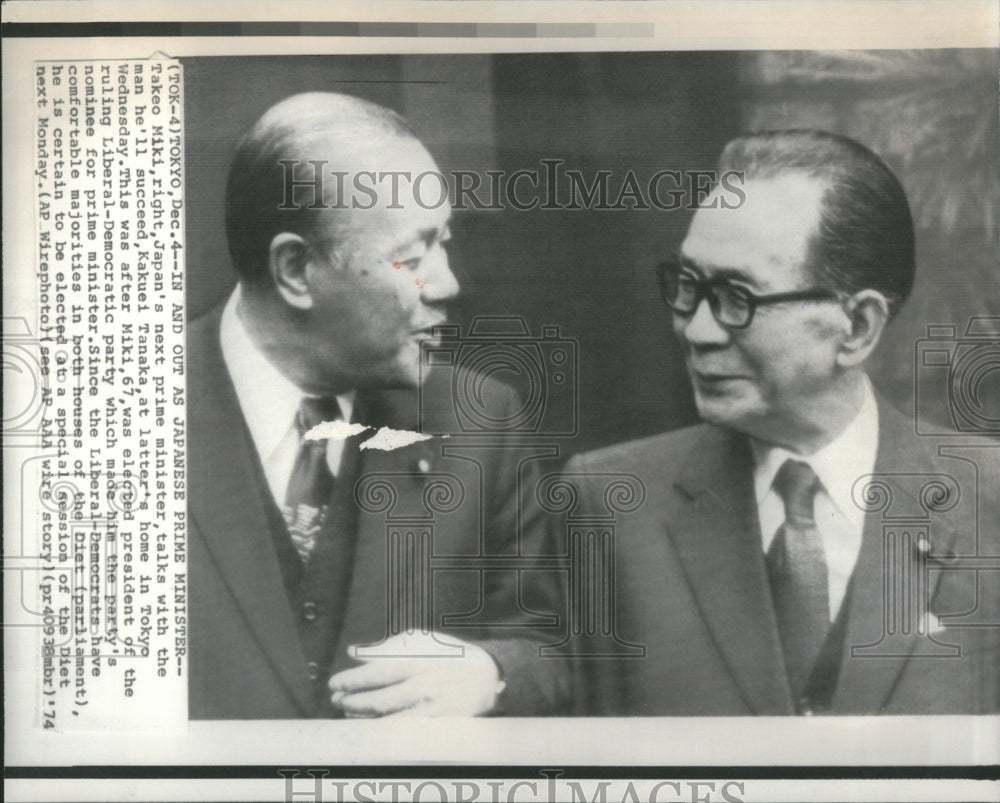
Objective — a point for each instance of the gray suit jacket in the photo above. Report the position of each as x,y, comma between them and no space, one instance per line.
691,585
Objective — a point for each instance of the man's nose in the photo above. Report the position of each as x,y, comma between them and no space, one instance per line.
438,282
701,328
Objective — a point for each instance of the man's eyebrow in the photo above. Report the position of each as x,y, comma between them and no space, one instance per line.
426,236
732,274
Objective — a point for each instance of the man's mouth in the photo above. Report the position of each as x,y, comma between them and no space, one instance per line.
432,320
713,377
428,332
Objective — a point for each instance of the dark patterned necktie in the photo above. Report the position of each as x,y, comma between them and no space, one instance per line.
796,567
311,482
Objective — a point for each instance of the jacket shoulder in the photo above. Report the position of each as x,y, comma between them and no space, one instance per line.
463,394
668,448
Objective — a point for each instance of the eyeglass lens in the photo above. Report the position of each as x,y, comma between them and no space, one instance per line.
728,304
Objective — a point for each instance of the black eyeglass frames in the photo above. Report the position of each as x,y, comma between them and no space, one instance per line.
732,306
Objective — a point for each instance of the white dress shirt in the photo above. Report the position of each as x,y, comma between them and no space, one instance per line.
270,402
838,465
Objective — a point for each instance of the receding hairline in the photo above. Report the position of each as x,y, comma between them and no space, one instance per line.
865,237
311,124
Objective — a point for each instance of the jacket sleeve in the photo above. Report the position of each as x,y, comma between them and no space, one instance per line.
525,606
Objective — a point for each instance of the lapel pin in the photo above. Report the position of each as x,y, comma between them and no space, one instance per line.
931,625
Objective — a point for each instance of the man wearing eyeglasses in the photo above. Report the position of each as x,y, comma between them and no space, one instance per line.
760,575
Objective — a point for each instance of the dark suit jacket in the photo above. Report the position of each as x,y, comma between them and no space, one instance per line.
246,660
692,588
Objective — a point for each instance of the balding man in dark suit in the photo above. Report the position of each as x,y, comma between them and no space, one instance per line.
309,589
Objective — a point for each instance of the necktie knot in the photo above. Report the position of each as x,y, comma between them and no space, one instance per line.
796,484
313,411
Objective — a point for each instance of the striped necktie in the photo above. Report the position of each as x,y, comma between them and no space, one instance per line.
311,482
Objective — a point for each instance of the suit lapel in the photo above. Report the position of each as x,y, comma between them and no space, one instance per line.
229,512
717,537
366,609
873,659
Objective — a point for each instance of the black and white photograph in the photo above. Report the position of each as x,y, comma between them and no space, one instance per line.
507,406
691,273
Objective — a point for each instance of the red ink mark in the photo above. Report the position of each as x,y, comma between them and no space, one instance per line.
418,283
396,264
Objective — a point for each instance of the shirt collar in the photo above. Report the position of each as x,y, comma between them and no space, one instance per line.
268,399
838,465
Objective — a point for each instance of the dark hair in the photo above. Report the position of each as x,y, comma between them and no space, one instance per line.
865,235
309,126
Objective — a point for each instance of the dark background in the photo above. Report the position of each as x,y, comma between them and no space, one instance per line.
930,114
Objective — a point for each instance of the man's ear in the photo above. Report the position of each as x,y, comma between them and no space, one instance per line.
288,260
868,313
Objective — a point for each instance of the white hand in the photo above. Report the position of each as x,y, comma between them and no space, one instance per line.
410,677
